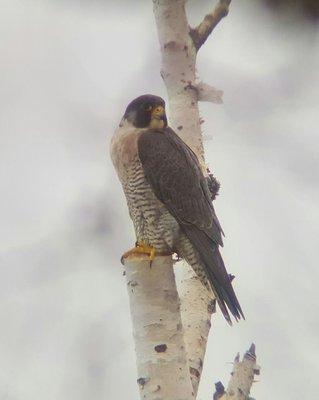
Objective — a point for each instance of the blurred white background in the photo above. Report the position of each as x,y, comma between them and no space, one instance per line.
68,69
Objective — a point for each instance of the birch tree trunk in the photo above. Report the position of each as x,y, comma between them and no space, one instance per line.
158,330
179,51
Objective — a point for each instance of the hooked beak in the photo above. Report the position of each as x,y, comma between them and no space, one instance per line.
159,114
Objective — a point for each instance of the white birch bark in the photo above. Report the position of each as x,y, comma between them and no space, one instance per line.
158,331
178,71
197,306
179,50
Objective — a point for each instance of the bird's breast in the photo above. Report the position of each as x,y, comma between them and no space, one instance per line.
124,149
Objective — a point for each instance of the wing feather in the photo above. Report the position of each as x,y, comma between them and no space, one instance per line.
173,171
177,180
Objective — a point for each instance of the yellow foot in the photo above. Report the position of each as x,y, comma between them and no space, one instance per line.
140,248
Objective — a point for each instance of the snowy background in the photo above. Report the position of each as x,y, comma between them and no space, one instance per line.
67,71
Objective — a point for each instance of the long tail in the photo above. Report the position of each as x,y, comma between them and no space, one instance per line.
207,255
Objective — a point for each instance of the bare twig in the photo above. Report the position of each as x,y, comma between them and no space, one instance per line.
211,20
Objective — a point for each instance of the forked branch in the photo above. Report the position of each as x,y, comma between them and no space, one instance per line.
209,23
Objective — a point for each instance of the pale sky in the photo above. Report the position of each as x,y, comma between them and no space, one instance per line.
67,71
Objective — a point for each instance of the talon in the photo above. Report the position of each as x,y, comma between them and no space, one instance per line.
152,256
140,248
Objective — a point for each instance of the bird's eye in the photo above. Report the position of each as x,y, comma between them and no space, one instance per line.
147,107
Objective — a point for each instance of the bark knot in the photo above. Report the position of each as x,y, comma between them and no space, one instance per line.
220,390
160,348
211,307
142,381
171,45
194,372
132,283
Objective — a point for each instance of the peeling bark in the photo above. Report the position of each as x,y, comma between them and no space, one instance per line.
208,93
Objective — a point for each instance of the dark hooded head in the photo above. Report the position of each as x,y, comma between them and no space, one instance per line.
146,111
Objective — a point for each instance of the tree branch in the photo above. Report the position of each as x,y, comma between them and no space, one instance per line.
211,20
242,378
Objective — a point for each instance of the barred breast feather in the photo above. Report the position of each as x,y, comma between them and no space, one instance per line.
153,223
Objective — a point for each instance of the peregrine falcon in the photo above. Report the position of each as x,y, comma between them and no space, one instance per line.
168,197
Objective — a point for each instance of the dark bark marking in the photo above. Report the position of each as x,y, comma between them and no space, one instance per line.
160,348
194,372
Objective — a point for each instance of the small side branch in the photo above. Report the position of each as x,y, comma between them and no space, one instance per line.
242,378
211,20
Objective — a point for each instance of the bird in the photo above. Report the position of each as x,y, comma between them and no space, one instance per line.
168,198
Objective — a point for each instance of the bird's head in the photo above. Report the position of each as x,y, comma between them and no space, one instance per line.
146,111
